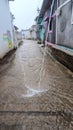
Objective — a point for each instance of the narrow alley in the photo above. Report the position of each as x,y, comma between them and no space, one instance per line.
36,92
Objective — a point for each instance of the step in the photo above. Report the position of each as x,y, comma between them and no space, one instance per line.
63,54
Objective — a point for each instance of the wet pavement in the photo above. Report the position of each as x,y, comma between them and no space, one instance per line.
36,92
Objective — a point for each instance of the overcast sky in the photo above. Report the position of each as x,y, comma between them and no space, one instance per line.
25,12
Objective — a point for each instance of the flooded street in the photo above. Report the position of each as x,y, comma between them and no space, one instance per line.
36,92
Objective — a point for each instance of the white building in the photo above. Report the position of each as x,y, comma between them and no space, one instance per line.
6,35
26,34
33,32
30,33
17,34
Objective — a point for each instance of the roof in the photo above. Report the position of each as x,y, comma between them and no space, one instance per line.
46,5
16,28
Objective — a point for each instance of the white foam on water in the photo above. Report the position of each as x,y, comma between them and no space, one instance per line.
32,92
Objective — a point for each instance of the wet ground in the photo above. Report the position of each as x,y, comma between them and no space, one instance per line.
36,92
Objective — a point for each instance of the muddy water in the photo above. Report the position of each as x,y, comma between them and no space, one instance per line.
36,92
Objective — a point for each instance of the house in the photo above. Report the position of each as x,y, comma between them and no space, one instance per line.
14,30
38,28
26,34
33,32
6,35
48,21
17,34
43,20
23,33
29,33
59,17
51,37
58,36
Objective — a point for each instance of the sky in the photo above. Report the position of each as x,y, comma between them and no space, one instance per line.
25,11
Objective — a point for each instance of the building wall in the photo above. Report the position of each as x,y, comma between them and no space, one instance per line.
23,34
27,34
15,41
64,26
6,38
18,35
52,24
33,35
39,28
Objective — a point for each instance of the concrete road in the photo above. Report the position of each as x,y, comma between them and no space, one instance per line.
36,92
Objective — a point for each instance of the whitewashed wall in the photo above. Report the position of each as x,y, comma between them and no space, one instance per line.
33,35
15,41
18,36
5,26
27,34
